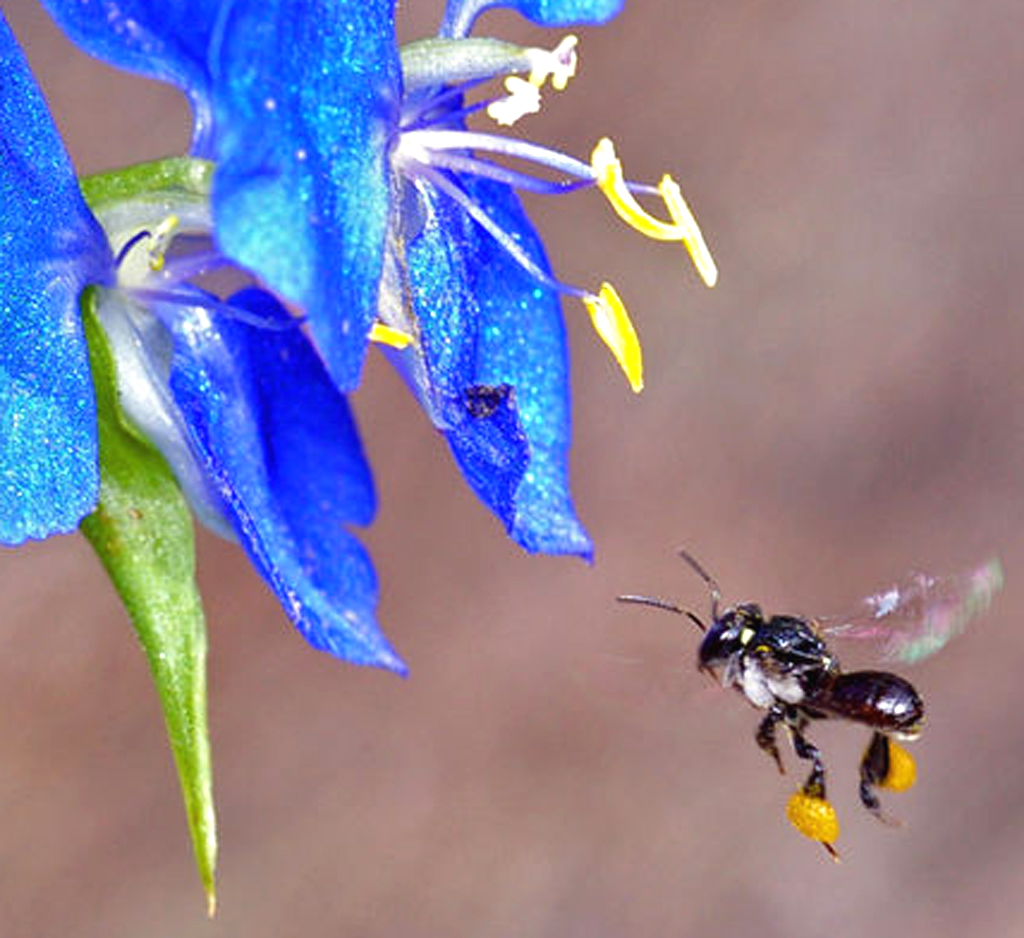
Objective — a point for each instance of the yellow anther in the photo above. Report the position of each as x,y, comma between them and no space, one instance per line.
612,182
814,818
388,335
902,771
683,226
697,247
162,237
523,98
611,322
559,64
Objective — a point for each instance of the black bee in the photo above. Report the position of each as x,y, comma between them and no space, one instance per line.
783,665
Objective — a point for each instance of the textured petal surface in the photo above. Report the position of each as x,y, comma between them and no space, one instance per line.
564,12
280,444
50,249
489,329
296,103
462,13
162,39
306,99
480,421
523,343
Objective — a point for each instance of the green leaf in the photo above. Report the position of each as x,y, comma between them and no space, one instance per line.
142,532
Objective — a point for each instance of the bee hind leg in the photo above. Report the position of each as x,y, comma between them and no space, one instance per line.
874,770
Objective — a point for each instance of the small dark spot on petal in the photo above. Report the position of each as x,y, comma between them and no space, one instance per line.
482,400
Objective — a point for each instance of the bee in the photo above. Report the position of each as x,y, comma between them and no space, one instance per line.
783,665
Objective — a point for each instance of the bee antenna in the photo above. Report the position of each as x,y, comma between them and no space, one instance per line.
663,604
651,601
696,620
709,581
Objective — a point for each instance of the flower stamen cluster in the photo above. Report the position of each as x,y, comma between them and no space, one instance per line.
434,146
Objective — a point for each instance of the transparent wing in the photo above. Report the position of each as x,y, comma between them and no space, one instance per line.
916,618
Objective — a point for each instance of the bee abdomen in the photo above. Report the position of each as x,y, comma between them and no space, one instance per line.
875,698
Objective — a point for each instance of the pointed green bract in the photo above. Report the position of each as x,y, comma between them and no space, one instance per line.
142,532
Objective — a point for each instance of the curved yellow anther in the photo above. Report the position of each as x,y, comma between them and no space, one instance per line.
683,227
612,323
161,240
697,247
612,182
388,335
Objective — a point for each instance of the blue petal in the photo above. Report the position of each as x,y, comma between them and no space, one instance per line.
567,12
461,14
279,443
50,249
161,39
495,345
522,343
306,101
480,421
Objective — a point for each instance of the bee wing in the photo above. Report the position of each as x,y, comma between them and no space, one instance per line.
916,618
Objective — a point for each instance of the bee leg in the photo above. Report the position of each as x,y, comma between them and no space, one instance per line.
805,749
814,787
874,769
766,735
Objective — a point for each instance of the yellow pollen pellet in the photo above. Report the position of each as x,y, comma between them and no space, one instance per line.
815,818
902,771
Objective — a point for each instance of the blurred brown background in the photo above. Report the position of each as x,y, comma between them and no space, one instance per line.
845,407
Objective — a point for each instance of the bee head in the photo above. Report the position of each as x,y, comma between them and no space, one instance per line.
729,635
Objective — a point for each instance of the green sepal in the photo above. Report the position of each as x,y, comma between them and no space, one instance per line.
440,61
142,532
181,175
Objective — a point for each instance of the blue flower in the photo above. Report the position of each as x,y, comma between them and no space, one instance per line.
345,179
233,394
347,182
